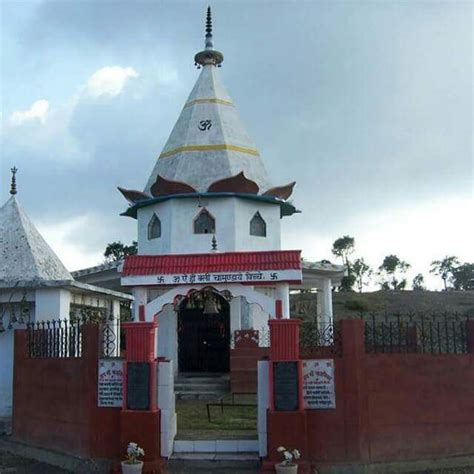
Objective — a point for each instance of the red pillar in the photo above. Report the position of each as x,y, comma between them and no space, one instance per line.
286,428
142,426
355,390
284,339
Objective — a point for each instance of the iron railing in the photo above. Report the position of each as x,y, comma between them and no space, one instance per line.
432,333
64,338
54,339
320,339
316,338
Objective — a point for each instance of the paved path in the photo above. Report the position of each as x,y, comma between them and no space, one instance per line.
11,464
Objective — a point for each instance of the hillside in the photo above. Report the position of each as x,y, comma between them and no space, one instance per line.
351,304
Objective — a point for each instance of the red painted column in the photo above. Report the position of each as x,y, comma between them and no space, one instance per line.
142,426
279,309
286,428
284,339
355,390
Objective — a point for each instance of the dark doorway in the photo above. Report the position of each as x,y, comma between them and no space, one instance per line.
203,339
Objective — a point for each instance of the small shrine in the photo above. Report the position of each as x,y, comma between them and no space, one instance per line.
37,290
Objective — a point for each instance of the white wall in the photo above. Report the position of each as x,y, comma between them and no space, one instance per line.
167,335
52,303
6,372
232,217
258,317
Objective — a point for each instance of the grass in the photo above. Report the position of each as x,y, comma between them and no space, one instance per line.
350,304
231,422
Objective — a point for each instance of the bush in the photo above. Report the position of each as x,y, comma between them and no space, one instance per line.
355,305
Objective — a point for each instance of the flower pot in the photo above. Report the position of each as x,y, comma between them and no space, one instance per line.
286,468
135,468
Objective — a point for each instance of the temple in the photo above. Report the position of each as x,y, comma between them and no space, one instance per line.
209,257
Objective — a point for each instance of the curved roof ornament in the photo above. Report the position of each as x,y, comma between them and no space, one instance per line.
165,187
282,192
209,56
133,196
238,183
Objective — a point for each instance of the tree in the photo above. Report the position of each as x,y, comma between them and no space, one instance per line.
116,251
445,268
418,283
362,272
463,277
343,247
391,271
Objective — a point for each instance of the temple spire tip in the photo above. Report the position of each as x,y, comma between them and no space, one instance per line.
13,189
209,56
209,22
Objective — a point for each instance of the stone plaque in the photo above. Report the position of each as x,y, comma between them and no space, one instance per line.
110,383
138,386
285,386
318,384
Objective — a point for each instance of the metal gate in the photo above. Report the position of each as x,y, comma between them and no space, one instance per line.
203,339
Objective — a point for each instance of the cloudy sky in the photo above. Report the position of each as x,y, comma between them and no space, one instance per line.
367,105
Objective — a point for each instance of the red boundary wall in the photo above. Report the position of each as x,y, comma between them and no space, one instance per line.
55,401
389,407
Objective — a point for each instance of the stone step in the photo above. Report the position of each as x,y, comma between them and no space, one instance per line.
201,380
216,446
210,396
213,456
197,387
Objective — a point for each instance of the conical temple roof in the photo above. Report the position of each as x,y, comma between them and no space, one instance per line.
209,141
24,254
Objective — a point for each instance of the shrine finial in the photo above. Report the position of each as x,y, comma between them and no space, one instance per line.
13,190
209,56
209,23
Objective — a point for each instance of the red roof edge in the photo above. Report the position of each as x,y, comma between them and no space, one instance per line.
212,262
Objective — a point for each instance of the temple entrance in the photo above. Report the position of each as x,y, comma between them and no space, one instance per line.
204,333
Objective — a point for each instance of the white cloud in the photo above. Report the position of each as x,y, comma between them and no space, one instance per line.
60,237
42,133
418,234
109,80
39,110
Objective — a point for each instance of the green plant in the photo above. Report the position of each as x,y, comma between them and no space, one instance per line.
355,305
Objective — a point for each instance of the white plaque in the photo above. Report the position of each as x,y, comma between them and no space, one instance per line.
110,383
318,384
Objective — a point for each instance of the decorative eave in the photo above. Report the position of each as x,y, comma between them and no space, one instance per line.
67,284
213,268
286,208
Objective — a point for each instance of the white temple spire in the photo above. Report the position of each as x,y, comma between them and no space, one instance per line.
24,254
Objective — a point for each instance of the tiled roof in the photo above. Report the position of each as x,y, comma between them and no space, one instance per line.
212,262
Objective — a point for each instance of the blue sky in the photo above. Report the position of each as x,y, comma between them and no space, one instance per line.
367,105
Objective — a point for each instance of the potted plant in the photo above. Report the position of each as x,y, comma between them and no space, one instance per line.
287,466
132,465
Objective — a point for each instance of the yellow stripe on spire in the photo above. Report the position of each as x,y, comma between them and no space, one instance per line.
248,151
208,101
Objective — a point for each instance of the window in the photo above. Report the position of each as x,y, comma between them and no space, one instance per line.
258,226
154,228
204,223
